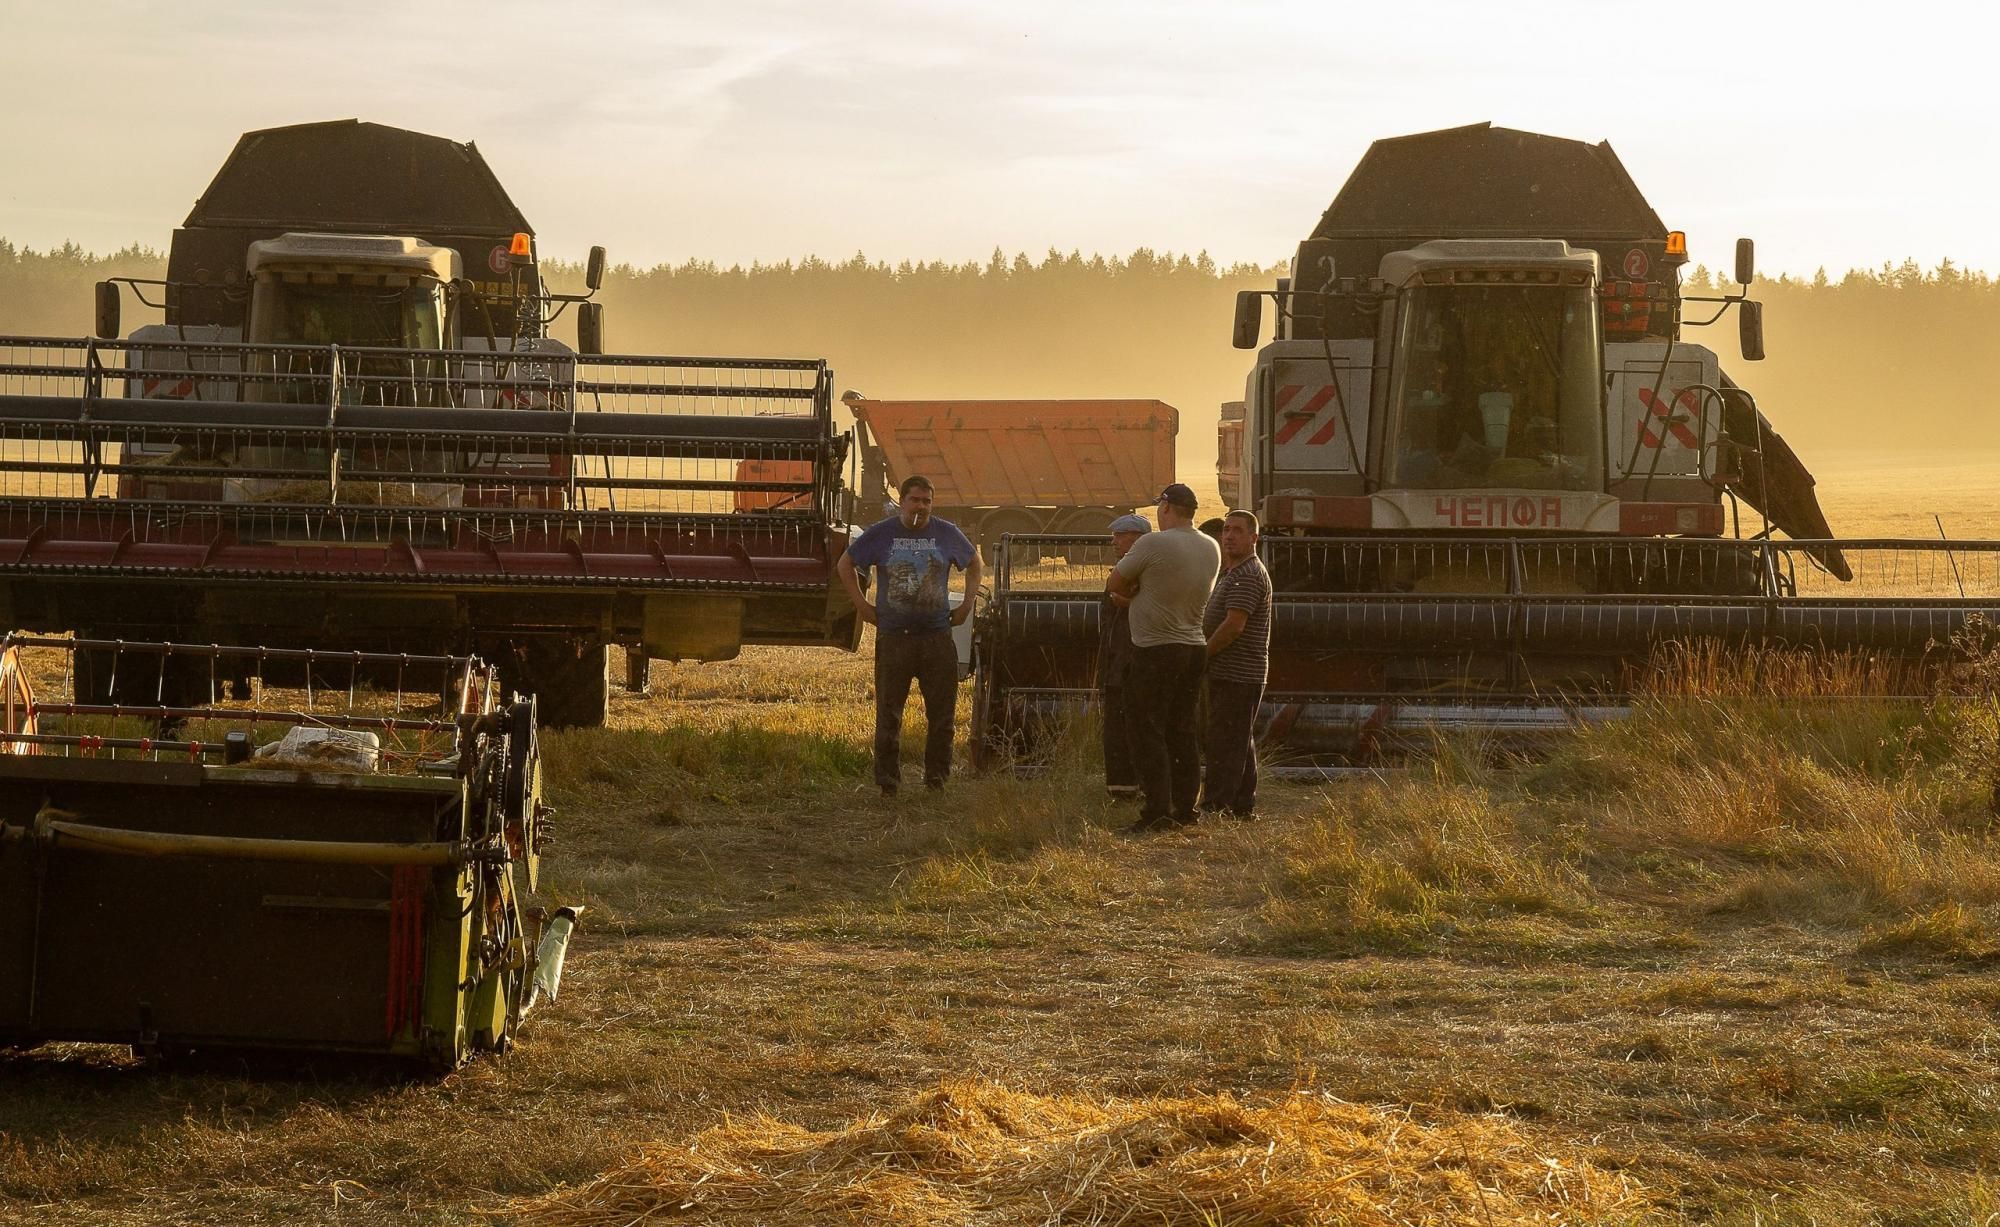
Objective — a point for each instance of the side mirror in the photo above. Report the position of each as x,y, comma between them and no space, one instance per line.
1249,318
1750,330
1746,261
590,328
107,310
593,272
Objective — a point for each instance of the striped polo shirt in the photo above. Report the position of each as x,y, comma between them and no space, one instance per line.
1245,586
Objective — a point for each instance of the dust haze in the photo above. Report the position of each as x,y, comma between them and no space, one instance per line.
1867,369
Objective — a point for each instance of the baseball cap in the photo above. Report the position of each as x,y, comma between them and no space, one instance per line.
1179,495
1131,524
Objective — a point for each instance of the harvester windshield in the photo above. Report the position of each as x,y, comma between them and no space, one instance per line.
354,314
1497,388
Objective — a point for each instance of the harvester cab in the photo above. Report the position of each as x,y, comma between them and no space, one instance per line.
373,291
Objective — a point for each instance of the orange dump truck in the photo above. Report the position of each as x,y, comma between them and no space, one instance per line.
1016,466
1229,454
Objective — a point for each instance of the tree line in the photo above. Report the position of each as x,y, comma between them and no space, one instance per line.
1883,360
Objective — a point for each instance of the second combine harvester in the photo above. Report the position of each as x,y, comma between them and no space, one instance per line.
1494,475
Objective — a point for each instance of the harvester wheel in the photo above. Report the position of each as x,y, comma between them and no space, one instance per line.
134,679
1735,573
571,685
521,793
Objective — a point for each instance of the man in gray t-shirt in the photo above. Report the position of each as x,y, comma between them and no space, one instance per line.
1168,576
1173,571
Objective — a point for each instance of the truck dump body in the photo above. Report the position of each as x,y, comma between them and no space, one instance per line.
1028,453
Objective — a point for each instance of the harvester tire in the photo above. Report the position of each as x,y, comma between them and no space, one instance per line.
571,685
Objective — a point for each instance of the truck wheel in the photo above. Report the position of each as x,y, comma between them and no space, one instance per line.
571,684
1093,521
996,526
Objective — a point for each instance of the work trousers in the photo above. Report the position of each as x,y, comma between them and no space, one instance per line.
1230,746
1163,691
1119,771
930,659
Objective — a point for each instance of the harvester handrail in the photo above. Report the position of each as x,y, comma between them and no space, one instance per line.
490,522
559,355
390,420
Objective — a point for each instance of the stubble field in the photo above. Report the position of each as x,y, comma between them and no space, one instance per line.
1731,961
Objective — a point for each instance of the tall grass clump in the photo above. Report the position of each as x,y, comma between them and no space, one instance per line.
1800,795
1401,865
613,766
1037,843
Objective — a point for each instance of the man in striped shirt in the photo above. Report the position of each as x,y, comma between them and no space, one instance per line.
1237,621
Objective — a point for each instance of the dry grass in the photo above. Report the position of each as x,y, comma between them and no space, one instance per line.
974,1152
1737,951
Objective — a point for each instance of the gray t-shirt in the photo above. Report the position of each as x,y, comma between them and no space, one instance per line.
1175,570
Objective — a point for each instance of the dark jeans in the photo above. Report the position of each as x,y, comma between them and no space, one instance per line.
1231,746
1119,771
931,660
1162,692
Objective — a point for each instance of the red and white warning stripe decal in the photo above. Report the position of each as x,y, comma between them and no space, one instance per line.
1319,408
167,388
1676,423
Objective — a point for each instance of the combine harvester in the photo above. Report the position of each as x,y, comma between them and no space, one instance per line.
1495,479
354,431
315,865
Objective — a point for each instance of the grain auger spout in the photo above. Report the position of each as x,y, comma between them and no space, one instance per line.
295,850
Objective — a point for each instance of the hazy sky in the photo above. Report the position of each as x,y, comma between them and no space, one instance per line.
763,130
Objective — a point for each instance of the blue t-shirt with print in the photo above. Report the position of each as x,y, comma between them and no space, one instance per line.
913,565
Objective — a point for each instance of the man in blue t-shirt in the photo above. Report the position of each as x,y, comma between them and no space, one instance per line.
912,554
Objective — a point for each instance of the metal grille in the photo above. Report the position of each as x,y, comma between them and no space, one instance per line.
263,426
1442,602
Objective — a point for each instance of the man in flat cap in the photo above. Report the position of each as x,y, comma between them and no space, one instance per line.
1167,576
